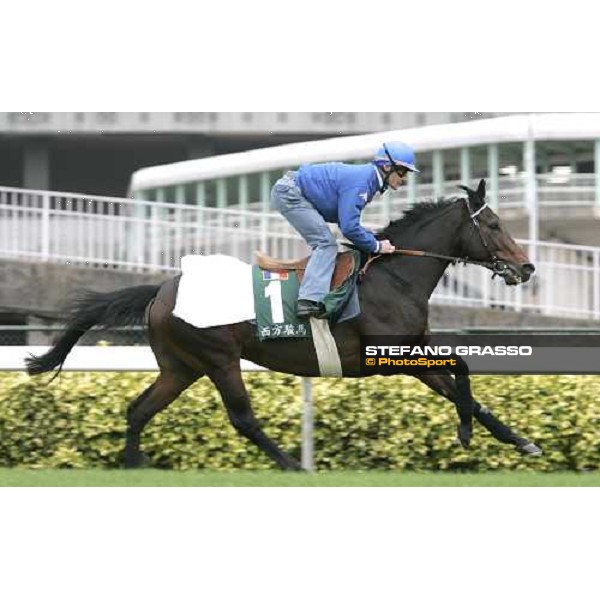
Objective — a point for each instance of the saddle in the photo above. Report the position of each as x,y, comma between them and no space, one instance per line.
344,266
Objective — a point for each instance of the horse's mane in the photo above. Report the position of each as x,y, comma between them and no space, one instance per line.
416,215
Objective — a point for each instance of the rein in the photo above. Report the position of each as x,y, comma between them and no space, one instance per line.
452,259
492,266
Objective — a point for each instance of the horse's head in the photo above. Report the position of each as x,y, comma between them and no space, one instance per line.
485,238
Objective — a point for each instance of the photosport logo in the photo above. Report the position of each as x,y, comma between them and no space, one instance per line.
485,353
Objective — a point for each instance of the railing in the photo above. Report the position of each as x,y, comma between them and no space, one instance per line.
132,234
151,236
553,190
566,284
41,335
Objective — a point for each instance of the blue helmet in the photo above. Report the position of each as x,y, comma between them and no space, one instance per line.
397,153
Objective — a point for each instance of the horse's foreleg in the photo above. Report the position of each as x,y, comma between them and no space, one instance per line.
230,384
442,383
157,397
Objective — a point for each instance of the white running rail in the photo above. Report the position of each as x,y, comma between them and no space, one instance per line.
132,234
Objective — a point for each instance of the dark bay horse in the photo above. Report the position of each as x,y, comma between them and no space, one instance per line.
394,297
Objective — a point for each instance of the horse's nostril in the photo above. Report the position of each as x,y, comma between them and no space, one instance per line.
528,268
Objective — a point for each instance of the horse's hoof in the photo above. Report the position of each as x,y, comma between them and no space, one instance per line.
463,437
136,461
292,465
530,449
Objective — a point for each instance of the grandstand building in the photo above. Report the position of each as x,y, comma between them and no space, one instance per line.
95,153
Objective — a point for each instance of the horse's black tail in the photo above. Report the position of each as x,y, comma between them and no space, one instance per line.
89,309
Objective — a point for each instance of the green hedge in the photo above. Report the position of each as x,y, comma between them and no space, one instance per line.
376,423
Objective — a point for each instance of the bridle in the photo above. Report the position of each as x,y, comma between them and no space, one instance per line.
496,265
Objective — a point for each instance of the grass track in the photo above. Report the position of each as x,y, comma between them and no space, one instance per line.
156,478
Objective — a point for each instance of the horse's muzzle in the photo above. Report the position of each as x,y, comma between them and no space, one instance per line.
513,274
527,271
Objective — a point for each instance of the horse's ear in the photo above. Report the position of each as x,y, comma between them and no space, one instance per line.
481,189
465,188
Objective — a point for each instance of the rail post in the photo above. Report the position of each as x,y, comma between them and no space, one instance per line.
45,227
307,425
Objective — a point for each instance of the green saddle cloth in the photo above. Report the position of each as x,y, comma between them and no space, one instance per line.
276,297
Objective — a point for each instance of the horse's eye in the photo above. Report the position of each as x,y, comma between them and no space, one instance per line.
495,225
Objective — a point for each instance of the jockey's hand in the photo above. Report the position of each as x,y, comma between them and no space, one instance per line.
386,247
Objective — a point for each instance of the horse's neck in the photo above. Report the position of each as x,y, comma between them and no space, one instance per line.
436,237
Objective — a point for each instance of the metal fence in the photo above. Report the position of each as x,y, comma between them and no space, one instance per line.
566,284
41,335
132,234
553,190
152,236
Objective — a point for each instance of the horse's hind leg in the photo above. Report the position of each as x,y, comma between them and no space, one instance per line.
230,384
155,398
443,384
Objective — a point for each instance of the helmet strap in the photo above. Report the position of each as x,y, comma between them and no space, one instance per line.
386,176
393,169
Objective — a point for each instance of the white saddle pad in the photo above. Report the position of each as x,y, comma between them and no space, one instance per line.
214,290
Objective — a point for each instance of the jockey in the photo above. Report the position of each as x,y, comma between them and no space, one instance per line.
337,193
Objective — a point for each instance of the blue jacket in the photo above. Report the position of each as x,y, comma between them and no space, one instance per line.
340,192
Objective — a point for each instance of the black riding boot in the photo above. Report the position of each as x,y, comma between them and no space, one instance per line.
310,308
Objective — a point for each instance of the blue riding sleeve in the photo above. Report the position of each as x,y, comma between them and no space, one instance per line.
350,206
